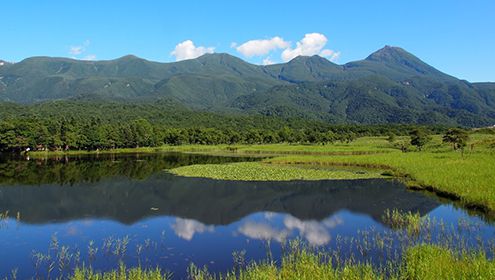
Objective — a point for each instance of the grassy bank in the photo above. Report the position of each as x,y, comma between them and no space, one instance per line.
43,154
122,273
469,179
419,262
364,145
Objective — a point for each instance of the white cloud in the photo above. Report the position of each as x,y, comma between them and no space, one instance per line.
268,61
330,54
80,49
186,228
311,44
187,50
262,47
76,50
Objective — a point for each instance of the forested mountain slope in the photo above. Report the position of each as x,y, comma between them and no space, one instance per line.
389,86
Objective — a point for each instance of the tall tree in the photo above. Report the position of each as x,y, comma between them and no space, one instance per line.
419,138
458,138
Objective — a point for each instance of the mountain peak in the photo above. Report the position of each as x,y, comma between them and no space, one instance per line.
306,58
221,59
403,61
305,68
390,54
314,60
218,56
129,57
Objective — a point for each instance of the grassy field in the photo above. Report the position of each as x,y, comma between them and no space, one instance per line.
470,179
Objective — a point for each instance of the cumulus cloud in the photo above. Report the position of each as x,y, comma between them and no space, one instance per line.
186,228
262,47
311,44
187,50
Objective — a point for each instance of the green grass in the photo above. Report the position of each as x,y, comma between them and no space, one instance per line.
409,221
470,179
122,273
361,145
301,264
364,145
420,262
256,171
434,262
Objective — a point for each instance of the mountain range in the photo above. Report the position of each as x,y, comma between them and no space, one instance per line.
389,86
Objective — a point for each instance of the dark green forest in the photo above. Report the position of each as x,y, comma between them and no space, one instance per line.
86,125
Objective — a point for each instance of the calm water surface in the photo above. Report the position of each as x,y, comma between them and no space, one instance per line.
103,210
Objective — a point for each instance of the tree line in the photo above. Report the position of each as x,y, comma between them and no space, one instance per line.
18,134
419,137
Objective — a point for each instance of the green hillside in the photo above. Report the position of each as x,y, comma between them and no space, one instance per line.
389,86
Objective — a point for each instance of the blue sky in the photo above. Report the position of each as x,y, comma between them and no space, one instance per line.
457,37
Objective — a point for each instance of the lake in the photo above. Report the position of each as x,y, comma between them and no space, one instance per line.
103,210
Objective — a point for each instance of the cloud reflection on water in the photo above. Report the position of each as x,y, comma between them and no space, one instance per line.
263,231
272,226
315,232
187,228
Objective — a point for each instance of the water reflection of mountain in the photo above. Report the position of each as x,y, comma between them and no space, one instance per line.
210,202
93,168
